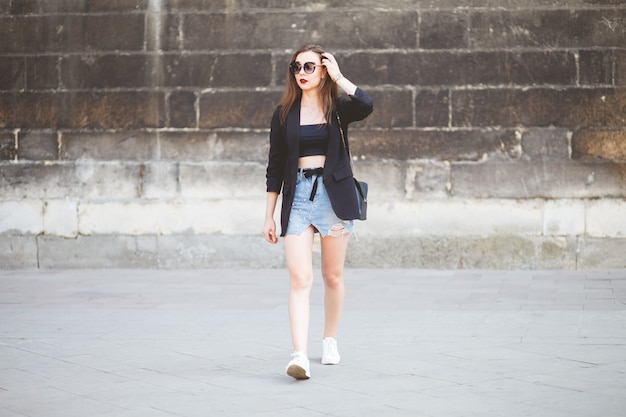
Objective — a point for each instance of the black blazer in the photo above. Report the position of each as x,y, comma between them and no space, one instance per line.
282,166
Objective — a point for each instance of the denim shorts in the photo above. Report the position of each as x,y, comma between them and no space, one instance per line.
317,213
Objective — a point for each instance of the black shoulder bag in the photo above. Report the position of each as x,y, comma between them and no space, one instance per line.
359,186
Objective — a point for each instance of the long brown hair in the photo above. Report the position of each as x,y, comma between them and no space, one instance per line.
327,88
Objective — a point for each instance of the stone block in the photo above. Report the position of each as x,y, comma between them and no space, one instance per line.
547,144
8,147
538,179
512,5
563,217
606,218
445,68
160,180
599,144
126,218
32,34
455,145
80,110
112,6
167,217
601,253
215,251
29,110
208,146
432,108
112,32
390,181
541,107
254,30
12,73
166,35
542,28
107,180
596,67
18,252
37,146
124,110
381,68
21,217
60,218
453,217
182,109
237,109
620,68
102,110
391,109
71,33
107,71
42,73
444,252
479,218
196,5
444,29
225,181
87,180
63,6
218,70
112,251
516,252
108,146
427,179
386,181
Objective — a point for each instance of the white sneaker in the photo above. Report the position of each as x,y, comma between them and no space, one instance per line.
299,367
331,353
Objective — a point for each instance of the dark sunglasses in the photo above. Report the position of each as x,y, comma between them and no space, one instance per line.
309,67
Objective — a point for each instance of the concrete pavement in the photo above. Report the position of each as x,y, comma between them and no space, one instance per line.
187,343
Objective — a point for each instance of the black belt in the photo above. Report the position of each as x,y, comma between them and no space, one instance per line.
308,173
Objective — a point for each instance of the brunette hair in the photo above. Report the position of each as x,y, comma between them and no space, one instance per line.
327,88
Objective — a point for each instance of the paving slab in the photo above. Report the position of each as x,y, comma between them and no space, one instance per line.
425,343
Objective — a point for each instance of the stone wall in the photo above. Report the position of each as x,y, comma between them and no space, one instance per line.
134,133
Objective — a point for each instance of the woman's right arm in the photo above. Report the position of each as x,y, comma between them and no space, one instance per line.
277,156
275,170
269,228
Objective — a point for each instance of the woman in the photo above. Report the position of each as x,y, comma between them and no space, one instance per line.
308,161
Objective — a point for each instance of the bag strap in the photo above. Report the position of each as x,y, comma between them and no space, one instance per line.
345,145
343,139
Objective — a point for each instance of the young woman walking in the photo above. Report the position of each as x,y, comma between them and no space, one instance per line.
309,163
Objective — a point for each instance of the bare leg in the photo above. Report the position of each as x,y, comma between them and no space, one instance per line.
299,256
334,248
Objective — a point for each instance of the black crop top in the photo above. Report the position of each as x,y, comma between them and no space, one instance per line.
314,139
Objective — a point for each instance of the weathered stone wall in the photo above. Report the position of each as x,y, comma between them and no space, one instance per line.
133,133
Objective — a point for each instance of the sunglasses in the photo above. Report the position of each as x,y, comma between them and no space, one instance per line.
309,67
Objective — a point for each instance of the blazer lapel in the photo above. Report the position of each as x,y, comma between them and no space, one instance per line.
293,129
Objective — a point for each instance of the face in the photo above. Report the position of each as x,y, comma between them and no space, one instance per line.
306,62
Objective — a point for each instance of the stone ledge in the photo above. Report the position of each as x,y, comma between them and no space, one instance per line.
539,179
176,251
219,251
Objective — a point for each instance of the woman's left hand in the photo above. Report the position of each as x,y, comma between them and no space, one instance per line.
329,61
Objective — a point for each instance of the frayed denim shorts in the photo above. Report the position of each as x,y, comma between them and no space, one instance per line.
318,213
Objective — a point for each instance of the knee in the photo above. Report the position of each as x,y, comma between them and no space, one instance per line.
300,282
333,279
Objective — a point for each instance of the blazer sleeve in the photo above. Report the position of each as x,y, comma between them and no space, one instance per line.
277,158
355,107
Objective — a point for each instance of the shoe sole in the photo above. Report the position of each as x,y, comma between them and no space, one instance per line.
297,372
331,362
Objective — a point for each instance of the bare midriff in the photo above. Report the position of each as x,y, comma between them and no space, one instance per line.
315,161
